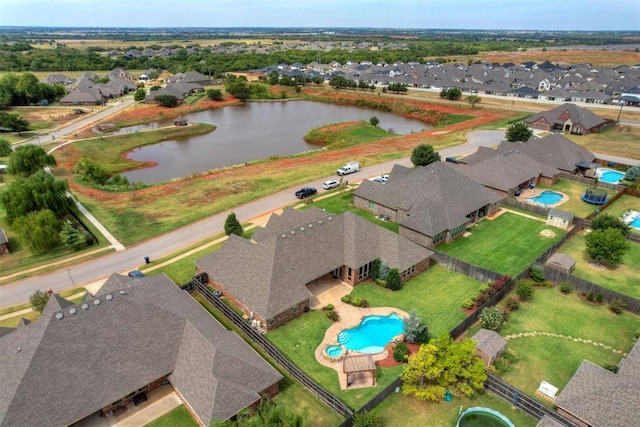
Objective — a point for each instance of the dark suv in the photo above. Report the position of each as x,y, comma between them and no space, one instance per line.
306,192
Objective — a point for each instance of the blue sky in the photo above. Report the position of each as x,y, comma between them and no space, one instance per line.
453,14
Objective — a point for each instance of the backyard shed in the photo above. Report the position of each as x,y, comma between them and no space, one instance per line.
562,262
490,345
559,218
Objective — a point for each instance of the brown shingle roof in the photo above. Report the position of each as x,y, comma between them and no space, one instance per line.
577,115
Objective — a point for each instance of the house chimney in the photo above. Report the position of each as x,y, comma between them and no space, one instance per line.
49,291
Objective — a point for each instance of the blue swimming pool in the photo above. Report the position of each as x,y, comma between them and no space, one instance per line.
635,223
546,198
608,175
334,351
372,334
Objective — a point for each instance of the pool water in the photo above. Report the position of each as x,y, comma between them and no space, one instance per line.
483,417
334,351
546,198
372,334
610,176
635,223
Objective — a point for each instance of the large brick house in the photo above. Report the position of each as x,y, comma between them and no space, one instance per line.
431,204
267,276
134,336
596,397
554,150
567,118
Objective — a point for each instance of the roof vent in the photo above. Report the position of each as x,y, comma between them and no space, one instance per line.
293,231
96,302
330,218
122,292
109,297
73,310
301,228
284,235
85,306
310,225
319,221
59,316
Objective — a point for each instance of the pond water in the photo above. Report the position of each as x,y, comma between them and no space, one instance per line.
244,133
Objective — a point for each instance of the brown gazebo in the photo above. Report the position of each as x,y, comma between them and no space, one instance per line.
362,363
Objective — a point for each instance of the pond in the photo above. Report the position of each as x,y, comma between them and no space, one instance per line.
244,133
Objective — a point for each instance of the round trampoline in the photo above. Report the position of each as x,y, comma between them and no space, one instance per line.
595,196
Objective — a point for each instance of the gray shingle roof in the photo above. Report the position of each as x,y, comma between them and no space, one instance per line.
562,260
490,342
554,150
577,115
269,273
56,371
436,196
547,421
602,398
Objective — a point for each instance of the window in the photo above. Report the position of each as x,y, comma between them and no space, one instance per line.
271,321
364,271
294,308
371,205
438,237
349,273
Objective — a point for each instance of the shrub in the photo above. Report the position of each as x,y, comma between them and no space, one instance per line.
400,352
566,287
375,270
346,299
356,301
367,419
364,303
332,315
611,367
590,297
393,280
617,306
329,307
467,304
491,318
416,331
381,282
636,334
537,273
599,298
481,298
524,290
512,304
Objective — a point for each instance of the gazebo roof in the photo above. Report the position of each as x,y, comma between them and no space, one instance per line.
362,363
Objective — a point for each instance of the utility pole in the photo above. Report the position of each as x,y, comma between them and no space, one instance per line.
621,102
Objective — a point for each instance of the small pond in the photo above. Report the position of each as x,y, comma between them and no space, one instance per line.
244,133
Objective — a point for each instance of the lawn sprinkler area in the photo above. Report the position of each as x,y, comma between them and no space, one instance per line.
609,175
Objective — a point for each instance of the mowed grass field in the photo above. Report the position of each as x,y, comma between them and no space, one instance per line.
506,244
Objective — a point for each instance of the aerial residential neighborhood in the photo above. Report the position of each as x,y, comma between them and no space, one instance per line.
318,225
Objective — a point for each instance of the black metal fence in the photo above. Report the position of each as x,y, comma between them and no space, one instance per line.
199,284
522,401
378,399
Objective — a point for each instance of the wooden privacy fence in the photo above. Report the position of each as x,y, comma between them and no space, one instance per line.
469,270
522,401
536,209
199,284
586,287
590,181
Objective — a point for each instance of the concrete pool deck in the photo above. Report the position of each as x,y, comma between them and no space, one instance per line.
535,192
350,317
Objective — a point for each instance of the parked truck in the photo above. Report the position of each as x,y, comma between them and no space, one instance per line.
350,167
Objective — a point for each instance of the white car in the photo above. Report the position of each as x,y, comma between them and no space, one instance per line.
332,183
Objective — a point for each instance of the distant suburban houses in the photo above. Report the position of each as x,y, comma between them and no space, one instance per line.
135,335
566,118
267,276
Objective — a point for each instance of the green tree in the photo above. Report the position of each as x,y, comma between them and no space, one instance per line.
415,330
13,122
28,87
398,87
608,245
473,100
367,419
604,220
139,95
518,132
424,154
215,94
274,77
632,174
442,366
451,94
39,230
524,290
8,82
5,147
232,225
28,159
37,192
166,100
374,121
393,280
70,235
38,300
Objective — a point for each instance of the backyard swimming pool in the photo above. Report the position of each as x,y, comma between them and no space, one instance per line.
632,218
546,198
609,175
372,334
483,417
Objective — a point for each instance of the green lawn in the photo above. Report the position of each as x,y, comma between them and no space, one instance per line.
554,359
575,190
399,410
298,340
435,295
624,278
506,244
179,416
340,203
